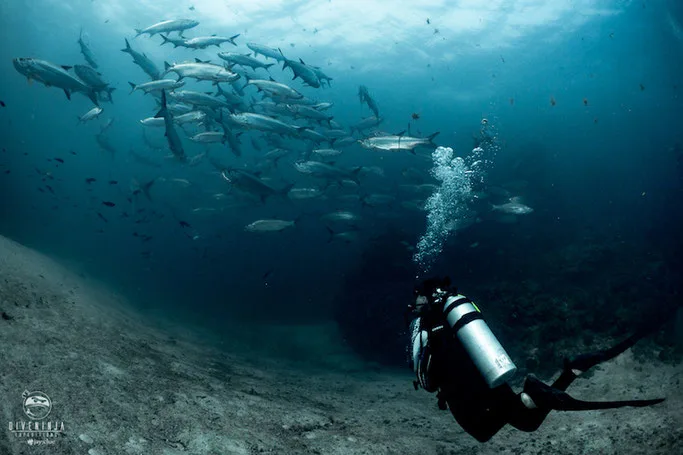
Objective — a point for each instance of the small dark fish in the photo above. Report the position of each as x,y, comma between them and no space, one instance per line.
512,101
59,159
89,180
7,171
41,190
2,103
585,101
267,274
108,204
428,21
184,224
50,189
415,116
552,101
642,87
191,8
72,152
113,182
502,59
102,217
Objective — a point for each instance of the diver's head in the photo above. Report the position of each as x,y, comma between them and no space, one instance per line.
433,288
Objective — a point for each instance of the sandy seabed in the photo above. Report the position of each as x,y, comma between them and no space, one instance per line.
121,383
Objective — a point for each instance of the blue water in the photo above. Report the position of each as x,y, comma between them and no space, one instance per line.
583,98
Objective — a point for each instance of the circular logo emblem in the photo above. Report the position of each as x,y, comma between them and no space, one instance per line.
37,405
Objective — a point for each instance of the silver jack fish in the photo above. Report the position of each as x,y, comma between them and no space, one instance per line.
266,51
200,42
514,207
94,79
250,183
269,225
396,143
249,120
197,98
367,122
175,25
275,88
161,84
85,50
52,75
171,134
201,71
326,171
234,58
303,71
365,97
142,61
91,114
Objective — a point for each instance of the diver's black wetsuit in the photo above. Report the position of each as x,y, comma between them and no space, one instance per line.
483,411
479,410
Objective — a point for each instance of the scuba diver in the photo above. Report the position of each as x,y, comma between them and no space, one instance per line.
454,352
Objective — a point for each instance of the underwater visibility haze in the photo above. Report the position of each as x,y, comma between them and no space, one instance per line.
310,162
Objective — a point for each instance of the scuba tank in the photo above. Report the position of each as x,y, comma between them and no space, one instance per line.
481,345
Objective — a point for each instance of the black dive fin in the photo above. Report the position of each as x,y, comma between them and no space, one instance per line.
546,397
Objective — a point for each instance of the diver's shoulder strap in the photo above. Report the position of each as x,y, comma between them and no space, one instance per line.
546,397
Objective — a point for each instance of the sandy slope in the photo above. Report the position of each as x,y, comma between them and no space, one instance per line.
123,387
